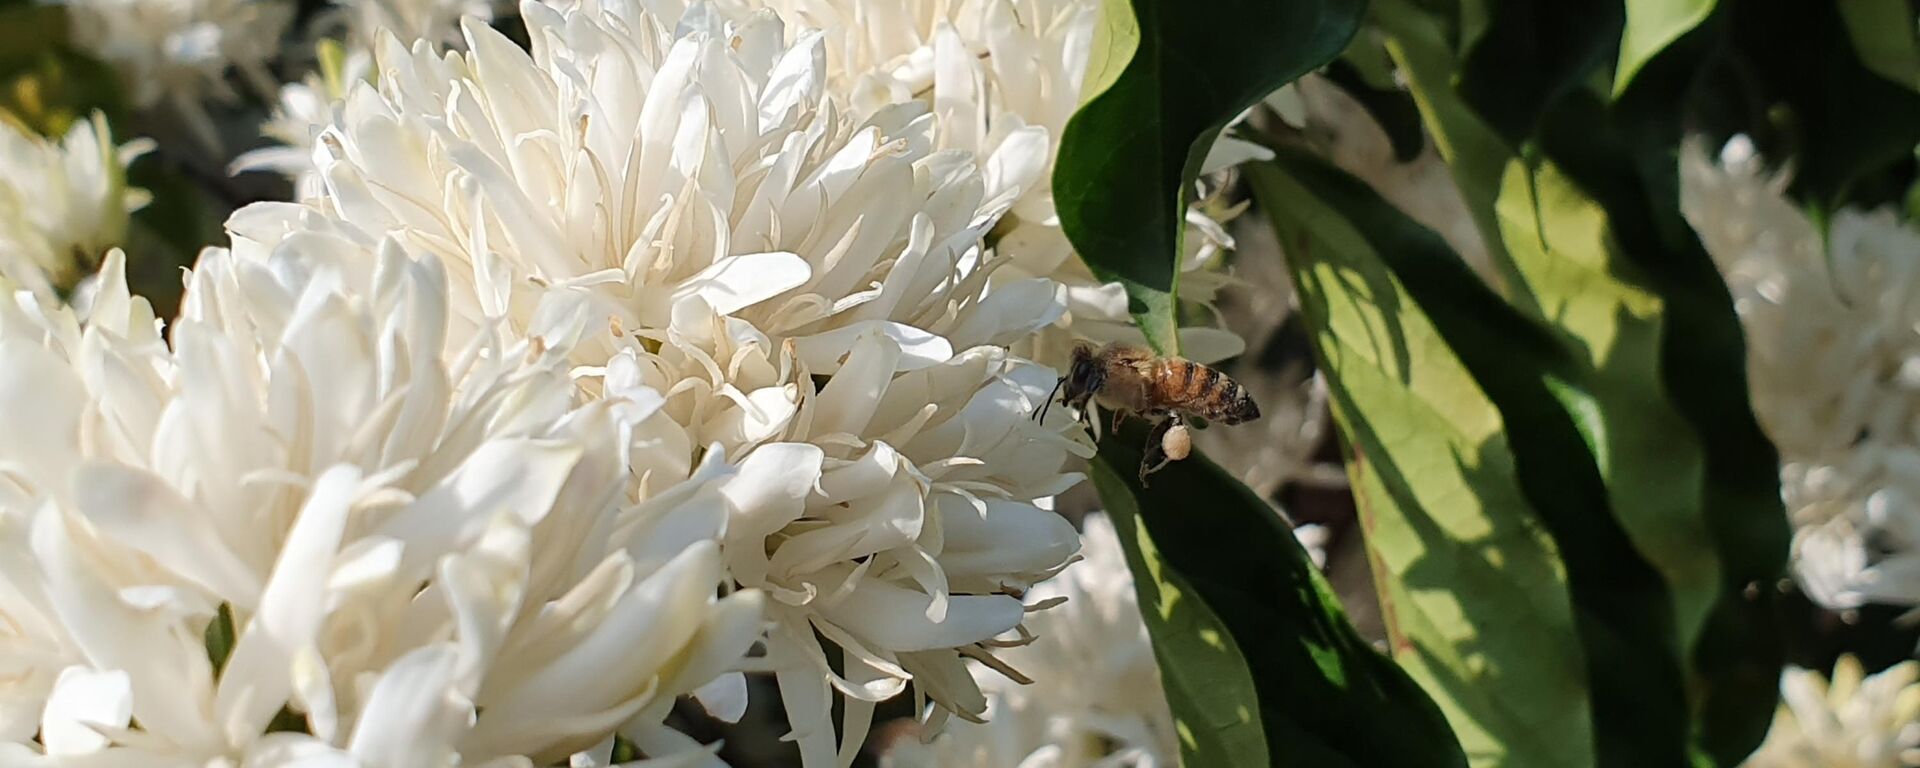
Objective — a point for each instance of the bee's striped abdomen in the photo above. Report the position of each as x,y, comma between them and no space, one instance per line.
1200,390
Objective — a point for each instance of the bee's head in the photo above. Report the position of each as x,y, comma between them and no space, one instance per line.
1084,376
1082,379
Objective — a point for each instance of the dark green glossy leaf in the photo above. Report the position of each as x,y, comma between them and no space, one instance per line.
1235,608
1164,78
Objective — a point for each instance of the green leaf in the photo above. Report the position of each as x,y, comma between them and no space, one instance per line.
1616,169
1476,431
1246,630
219,637
1472,588
1884,36
1163,79
1475,155
1617,369
1621,610
1532,53
1652,25
1391,107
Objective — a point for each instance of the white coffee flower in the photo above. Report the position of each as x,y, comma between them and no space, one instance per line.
179,51
687,197
1004,76
313,508
1856,721
1833,342
62,203
1098,700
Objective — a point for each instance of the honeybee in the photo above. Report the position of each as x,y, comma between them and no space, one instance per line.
1125,378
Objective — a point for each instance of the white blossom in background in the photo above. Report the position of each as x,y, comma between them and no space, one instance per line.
180,52
430,556
1004,76
62,203
1098,701
1833,343
434,20
306,107
1853,721
344,43
688,200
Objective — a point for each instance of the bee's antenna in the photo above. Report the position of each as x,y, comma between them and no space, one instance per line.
1040,413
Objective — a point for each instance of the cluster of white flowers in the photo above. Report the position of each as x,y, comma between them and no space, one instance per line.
314,503
685,208
62,203
1101,702
1003,77
1833,341
692,342
180,51
1854,721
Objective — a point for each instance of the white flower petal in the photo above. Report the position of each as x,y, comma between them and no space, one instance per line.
82,699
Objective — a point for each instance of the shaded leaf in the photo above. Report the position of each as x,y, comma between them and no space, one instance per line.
1163,79
1651,25
1884,36
1389,106
1218,572
1532,53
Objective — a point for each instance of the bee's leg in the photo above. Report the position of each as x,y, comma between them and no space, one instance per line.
1117,416
1153,457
